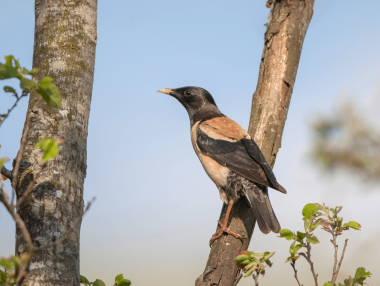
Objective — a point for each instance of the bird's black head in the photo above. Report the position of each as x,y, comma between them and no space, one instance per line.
197,101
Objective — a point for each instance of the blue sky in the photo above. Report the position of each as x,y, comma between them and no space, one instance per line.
154,202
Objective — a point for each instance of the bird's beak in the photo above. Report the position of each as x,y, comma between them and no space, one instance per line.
165,90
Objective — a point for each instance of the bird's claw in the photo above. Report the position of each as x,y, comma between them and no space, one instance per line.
221,231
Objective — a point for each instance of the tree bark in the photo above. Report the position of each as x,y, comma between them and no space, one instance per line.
64,49
286,29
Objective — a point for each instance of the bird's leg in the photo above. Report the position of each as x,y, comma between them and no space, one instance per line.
224,225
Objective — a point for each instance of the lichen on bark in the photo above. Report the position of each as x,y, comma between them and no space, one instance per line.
64,49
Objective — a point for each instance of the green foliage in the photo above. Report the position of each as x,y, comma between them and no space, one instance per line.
98,282
50,147
287,234
48,90
252,261
3,160
315,215
12,266
119,281
360,275
353,224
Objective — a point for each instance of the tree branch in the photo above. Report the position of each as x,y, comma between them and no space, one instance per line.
284,36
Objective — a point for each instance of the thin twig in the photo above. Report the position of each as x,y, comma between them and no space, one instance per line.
25,92
237,279
256,277
19,155
333,241
308,258
25,272
293,264
69,232
20,223
340,262
30,187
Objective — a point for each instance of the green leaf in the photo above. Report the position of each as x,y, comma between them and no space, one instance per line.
298,247
250,265
50,147
348,282
6,263
249,273
308,222
84,280
34,71
262,272
3,160
28,84
251,254
267,255
9,89
310,210
3,277
49,92
8,72
241,258
312,239
120,281
315,224
291,249
8,60
24,71
300,236
98,282
290,258
353,224
286,233
119,278
328,284
361,275
269,263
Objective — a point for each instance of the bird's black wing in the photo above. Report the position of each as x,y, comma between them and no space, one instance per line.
241,156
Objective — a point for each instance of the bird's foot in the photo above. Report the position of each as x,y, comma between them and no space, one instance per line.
221,231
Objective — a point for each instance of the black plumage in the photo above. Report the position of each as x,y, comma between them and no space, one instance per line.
230,157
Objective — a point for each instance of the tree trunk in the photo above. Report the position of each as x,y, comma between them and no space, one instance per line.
64,49
286,29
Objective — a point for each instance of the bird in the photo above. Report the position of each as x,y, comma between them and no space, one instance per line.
230,157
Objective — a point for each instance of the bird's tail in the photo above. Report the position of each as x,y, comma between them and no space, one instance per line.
259,200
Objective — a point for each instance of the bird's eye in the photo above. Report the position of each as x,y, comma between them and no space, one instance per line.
187,92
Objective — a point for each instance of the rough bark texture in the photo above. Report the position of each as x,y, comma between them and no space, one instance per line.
286,29
64,49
